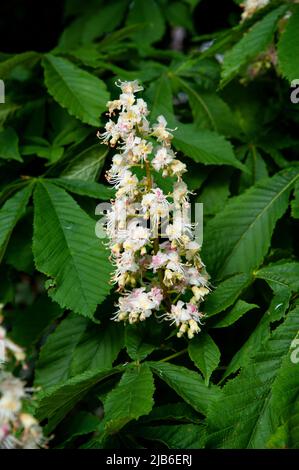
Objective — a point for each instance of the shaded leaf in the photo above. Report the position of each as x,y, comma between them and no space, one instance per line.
82,94
65,247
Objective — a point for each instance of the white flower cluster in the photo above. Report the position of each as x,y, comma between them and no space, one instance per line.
18,429
251,6
154,267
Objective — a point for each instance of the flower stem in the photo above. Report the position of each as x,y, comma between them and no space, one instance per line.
172,356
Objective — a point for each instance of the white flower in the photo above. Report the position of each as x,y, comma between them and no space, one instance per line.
177,168
158,260
180,194
10,346
136,236
127,184
186,317
138,304
151,269
251,6
163,157
161,131
129,87
111,135
194,278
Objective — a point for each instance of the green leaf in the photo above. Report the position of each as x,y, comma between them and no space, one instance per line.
261,332
159,97
92,25
78,425
295,203
215,192
242,418
98,347
51,153
285,394
26,59
238,310
205,354
57,353
172,411
283,273
65,248
179,436
130,399
257,167
205,146
7,110
31,323
288,47
209,110
9,145
10,213
150,15
19,248
226,293
252,43
76,346
82,94
84,188
246,226
188,384
57,401
87,164
135,341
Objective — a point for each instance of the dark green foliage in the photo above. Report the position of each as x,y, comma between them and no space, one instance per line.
102,384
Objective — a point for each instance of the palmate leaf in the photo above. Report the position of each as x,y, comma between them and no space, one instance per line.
56,402
10,213
87,164
130,399
295,202
9,145
150,16
237,311
65,248
205,146
78,425
209,110
53,366
243,417
176,436
98,347
288,47
285,395
187,384
85,188
174,412
283,274
75,346
205,354
82,94
252,43
239,237
159,96
92,24
216,192
26,59
26,333
226,293
276,310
